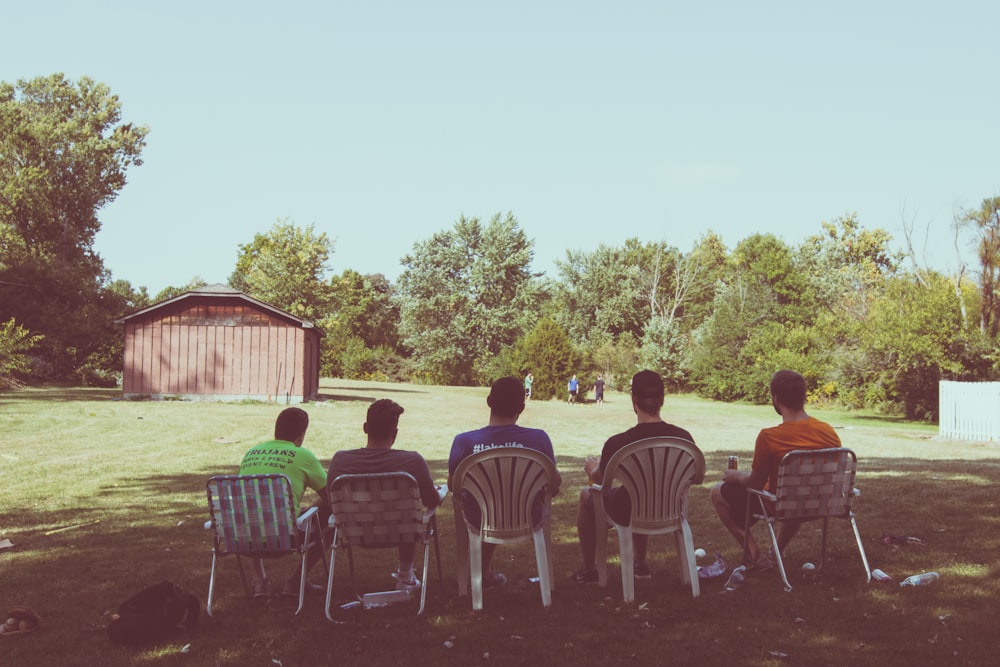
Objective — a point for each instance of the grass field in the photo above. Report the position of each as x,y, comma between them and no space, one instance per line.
102,498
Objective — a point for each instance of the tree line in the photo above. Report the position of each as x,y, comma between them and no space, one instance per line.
868,326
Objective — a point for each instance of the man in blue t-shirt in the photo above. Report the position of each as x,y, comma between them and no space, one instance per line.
506,401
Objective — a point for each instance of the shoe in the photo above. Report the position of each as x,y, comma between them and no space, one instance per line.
760,566
495,580
641,571
261,589
406,582
291,588
584,576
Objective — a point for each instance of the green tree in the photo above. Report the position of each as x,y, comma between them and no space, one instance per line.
550,356
64,153
986,222
362,334
15,343
286,267
465,294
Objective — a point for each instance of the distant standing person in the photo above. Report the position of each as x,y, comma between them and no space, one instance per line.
599,390
574,387
529,379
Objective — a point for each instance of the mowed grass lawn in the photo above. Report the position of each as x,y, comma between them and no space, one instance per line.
101,498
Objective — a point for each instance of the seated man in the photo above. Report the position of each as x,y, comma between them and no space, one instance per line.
506,402
797,430
647,399
378,456
285,456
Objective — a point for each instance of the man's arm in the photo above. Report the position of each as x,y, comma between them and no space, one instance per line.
752,480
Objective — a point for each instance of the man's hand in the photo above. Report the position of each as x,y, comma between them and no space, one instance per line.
590,466
735,477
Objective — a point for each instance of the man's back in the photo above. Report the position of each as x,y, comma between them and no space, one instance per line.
279,457
774,442
369,460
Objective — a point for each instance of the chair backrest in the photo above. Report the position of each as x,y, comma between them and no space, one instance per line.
657,474
377,509
505,482
814,483
253,515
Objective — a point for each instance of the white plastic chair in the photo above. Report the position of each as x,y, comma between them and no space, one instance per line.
657,474
376,511
254,516
812,484
505,483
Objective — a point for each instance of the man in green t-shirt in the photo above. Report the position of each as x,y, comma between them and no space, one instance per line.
285,456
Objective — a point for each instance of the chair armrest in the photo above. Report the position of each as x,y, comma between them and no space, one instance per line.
306,517
763,494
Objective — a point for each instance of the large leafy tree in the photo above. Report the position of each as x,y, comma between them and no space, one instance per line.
986,222
465,294
64,154
286,267
362,328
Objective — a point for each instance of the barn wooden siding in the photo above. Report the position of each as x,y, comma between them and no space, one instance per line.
210,348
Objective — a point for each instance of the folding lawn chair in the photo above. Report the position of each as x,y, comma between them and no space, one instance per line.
376,511
254,516
812,484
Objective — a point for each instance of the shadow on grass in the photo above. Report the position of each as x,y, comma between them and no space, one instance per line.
62,395
75,577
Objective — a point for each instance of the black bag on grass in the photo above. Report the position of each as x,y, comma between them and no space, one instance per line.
154,614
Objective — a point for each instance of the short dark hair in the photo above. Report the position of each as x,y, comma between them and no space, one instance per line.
647,391
383,418
789,389
506,397
291,424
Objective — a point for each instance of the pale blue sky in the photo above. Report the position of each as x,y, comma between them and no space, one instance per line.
383,122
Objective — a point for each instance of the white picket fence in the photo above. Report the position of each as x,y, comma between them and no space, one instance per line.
969,410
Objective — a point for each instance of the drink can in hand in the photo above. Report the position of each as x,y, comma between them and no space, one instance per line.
734,462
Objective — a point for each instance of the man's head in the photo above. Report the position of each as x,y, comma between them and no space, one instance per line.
383,419
506,397
291,425
788,389
647,392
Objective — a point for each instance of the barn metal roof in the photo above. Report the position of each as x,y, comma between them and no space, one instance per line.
223,291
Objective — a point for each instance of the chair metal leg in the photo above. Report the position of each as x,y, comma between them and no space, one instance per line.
423,582
211,586
777,554
861,549
329,575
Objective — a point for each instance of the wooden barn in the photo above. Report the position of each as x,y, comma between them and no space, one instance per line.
216,343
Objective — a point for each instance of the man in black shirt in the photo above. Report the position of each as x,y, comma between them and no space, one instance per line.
647,399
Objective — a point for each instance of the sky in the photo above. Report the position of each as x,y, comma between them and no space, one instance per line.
381,123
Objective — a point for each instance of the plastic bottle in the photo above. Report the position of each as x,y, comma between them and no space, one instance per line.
735,579
920,579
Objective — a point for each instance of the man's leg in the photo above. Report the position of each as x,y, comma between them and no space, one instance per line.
315,552
586,530
786,531
725,512
260,585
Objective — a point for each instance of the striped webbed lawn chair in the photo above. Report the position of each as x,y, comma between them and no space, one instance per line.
254,516
812,484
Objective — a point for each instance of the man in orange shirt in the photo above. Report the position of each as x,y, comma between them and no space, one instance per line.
797,430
